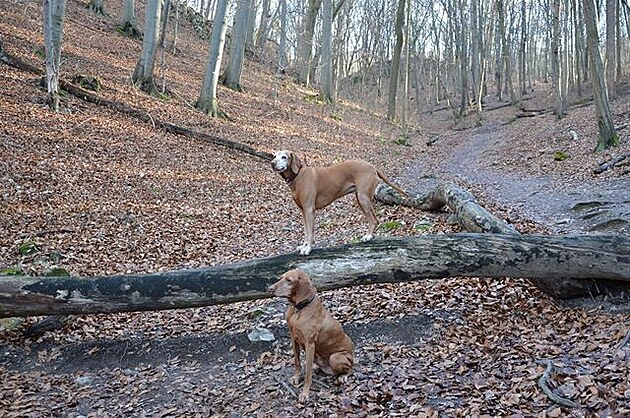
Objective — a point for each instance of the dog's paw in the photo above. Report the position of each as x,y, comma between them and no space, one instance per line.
303,398
367,237
304,249
295,380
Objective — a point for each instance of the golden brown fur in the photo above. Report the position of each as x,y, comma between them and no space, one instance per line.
316,187
312,330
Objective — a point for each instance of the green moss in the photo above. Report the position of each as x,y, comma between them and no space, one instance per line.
560,156
390,225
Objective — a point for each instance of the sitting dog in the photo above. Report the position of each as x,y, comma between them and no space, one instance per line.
313,330
316,187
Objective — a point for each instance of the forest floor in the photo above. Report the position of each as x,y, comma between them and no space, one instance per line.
96,192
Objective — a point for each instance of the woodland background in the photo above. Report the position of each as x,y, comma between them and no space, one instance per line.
96,189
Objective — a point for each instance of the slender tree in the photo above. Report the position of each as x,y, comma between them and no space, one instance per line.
143,73
326,86
234,68
263,29
282,44
611,49
207,101
607,135
129,24
54,18
393,80
305,47
561,106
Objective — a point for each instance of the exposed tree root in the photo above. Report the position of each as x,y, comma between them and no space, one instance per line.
542,384
610,163
623,342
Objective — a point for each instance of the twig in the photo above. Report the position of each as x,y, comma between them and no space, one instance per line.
287,387
542,384
623,342
48,232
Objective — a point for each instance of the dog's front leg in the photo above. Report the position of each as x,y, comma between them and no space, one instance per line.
297,363
308,370
308,214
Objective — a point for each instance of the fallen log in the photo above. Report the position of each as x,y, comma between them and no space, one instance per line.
379,261
472,216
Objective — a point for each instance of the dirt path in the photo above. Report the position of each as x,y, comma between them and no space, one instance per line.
558,204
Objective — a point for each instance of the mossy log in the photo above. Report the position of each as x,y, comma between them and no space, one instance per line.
582,257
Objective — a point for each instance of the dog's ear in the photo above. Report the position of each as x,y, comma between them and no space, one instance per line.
304,288
296,163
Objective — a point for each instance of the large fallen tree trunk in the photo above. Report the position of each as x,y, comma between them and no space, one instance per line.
379,261
472,216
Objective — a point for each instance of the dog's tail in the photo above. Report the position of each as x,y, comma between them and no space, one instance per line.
389,183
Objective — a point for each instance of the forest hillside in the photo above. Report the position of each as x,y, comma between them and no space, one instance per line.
91,190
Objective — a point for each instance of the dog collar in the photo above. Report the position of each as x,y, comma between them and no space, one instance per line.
304,303
289,179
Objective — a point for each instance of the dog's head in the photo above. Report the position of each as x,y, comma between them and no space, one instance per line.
294,285
286,160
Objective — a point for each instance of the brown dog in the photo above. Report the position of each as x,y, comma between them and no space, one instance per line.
313,330
316,187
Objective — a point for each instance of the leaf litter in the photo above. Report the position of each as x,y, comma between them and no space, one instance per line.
94,192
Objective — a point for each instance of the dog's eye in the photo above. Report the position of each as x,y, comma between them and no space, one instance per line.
284,157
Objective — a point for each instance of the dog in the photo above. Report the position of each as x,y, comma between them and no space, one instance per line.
313,330
317,187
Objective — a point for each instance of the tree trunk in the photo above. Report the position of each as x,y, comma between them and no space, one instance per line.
607,135
129,24
263,29
326,87
305,47
498,43
143,74
579,42
393,79
477,40
611,49
54,18
97,7
282,46
207,101
461,203
583,257
555,60
234,69
522,53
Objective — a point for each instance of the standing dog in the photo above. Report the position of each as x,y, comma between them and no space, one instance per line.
313,330
316,187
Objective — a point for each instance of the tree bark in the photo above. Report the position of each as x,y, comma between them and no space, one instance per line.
129,24
143,73
305,47
282,43
54,18
393,79
461,202
380,261
561,106
207,101
326,82
611,49
607,135
234,68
